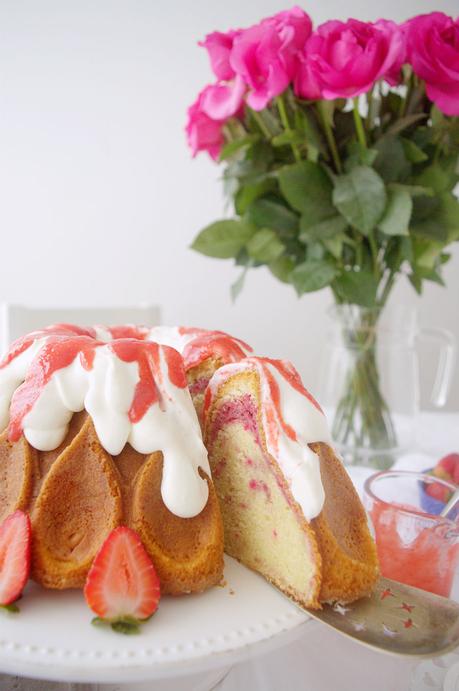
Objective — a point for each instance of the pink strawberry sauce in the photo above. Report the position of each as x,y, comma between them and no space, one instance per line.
216,344
199,386
244,411
427,560
61,349
241,410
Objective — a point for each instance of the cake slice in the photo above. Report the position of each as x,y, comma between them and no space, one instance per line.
289,509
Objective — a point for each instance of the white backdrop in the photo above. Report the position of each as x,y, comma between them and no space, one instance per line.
99,198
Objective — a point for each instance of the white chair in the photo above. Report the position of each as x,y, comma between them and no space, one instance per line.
17,320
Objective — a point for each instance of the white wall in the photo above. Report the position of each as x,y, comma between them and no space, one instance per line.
99,198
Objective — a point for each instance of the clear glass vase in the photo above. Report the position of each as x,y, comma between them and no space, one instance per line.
370,382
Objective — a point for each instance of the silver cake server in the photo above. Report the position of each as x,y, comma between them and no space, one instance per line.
397,619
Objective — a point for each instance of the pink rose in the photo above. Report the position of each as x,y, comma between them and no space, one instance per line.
218,46
345,59
222,101
203,133
266,55
433,51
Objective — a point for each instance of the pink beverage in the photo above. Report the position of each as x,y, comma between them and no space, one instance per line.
414,547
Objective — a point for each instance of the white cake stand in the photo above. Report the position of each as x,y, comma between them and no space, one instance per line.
52,637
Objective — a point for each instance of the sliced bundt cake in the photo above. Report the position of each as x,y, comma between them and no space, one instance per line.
289,508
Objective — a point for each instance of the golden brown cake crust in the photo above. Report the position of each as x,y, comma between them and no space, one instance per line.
350,563
78,493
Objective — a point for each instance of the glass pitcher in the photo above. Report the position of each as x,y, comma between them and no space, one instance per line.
369,382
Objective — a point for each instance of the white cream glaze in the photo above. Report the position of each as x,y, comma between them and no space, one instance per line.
13,375
298,463
106,391
171,336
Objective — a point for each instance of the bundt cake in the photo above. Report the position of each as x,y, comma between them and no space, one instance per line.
99,431
203,352
289,509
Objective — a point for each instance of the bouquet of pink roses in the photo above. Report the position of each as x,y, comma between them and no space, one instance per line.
340,147
340,153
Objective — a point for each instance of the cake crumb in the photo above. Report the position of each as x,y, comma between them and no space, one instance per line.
231,591
222,583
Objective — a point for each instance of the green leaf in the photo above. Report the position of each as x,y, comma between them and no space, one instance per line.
450,215
413,152
281,268
313,274
12,608
437,178
306,123
357,287
315,250
405,122
359,155
335,245
413,190
287,138
397,215
237,286
251,191
265,213
125,626
430,275
391,162
265,246
307,188
223,239
323,230
416,282
232,147
360,196
399,249
425,254
431,228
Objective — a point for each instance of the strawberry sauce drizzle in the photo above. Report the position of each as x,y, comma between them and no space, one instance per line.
217,344
65,343
24,342
273,407
60,351
289,373
146,354
129,331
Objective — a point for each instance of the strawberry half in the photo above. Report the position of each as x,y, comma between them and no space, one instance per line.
122,586
15,550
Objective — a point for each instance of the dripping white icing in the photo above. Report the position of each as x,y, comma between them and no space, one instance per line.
298,463
106,390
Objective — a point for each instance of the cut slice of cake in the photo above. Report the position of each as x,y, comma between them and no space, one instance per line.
289,509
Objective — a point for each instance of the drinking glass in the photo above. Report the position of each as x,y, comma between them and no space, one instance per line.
414,547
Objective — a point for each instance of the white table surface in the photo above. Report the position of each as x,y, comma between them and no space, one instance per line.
321,660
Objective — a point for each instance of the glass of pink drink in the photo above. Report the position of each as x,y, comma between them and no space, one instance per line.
414,547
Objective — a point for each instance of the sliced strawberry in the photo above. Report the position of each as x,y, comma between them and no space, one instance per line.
122,586
15,547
